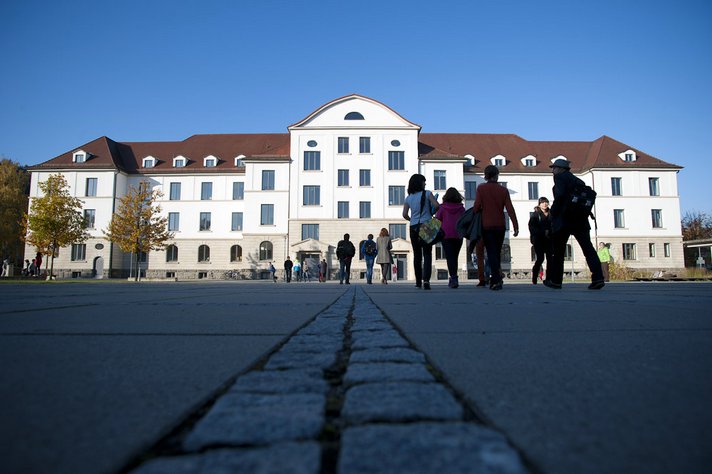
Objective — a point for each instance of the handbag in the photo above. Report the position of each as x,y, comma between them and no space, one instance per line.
431,232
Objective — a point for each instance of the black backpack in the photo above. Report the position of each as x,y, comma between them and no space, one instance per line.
369,248
581,201
340,249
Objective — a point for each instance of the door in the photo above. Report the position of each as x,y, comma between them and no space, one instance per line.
401,265
98,269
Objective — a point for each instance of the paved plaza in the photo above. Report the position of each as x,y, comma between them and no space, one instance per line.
257,377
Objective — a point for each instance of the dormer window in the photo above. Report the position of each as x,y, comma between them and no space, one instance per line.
79,157
179,162
628,156
529,161
470,160
239,163
149,162
210,162
499,161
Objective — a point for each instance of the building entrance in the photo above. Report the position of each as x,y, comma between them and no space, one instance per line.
400,263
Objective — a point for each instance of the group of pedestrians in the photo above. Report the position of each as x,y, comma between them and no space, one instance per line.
374,252
301,272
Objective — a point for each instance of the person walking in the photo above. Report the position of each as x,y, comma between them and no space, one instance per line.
297,271
369,250
322,270
419,207
345,251
306,276
540,236
491,199
288,264
449,212
563,226
604,255
273,271
384,257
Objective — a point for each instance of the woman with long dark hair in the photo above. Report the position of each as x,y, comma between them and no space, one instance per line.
419,207
540,236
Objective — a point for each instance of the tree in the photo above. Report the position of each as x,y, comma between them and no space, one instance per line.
55,219
137,225
14,188
696,225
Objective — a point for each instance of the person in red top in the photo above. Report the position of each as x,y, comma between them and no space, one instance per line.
491,199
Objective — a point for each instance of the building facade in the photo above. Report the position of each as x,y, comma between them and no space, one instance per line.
237,202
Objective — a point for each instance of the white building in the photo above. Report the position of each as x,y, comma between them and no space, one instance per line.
239,201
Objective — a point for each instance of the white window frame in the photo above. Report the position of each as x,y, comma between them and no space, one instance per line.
79,156
180,161
210,162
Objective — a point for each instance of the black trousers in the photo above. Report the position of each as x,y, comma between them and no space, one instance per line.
422,257
555,271
542,248
494,238
452,252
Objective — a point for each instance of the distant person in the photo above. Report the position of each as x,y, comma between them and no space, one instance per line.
419,207
5,268
38,263
306,276
273,271
604,255
540,236
564,225
384,257
449,212
298,271
33,267
26,268
288,264
345,251
492,199
323,271
369,249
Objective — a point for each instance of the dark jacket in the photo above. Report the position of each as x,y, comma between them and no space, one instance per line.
539,226
288,264
564,184
345,249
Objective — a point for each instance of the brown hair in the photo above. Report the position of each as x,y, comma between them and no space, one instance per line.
384,232
452,195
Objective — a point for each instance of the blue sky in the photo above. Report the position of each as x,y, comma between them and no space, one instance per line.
638,71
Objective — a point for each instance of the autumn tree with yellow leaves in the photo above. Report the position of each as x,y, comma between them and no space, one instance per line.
14,189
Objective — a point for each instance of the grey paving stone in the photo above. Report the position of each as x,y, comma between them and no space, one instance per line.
313,343
299,360
370,325
451,448
398,401
325,326
282,381
365,340
387,354
288,458
248,419
386,372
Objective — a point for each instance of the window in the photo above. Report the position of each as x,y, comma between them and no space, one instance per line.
236,253
657,218
268,180
178,162
267,214
440,183
533,191
204,221
238,191
149,162
210,162
206,191
439,252
397,231
173,221
343,177
79,252
396,160
364,210
353,116
470,190
80,157
529,162
312,195
171,253
343,145
203,253
312,160
628,157
499,162
618,218
568,253
653,186
629,252
616,186
364,145
91,187
364,177
310,231
266,250
236,221
651,250
666,249
142,257
343,210
89,218
175,192
396,195
239,161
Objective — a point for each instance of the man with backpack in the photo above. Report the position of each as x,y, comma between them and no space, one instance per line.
369,249
345,251
570,211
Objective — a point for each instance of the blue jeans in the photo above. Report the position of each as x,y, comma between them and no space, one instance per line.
369,269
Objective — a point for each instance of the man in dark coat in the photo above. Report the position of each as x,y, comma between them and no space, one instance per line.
288,269
563,226
345,251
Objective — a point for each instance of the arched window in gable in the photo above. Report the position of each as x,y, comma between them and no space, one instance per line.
353,116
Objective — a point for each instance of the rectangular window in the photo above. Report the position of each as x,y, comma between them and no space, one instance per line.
529,162
666,249
343,144
651,250
470,190
312,160
364,145
89,218
310,231
654,186
397,231
267,214
657,218
396,160
629,252
343,210
616,188
79,252
312,195
175,192
91,187
210,163
268,180
533,191
396,195
364,177
236,221
440,183
206,191
364,210
238,191
173,221
618,218
204,221
343,177
439,252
